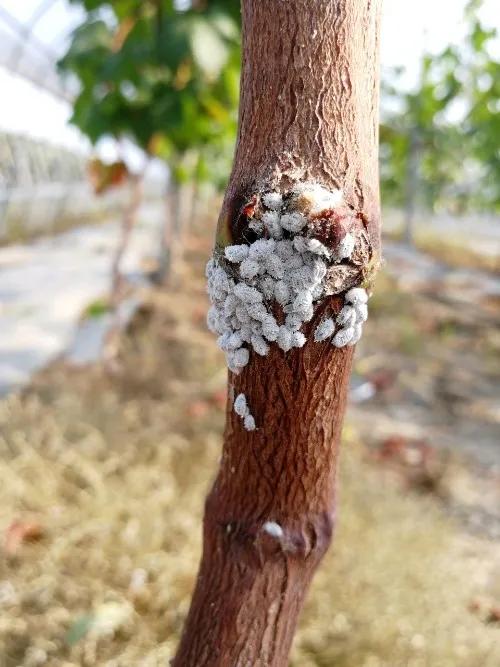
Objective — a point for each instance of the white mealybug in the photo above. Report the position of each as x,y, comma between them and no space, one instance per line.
267,286
273,200
249,423
319,270
317,291
273,529
256,226
240,405
284,339
234,341
249,268
257,311
302,278
234,369
293,222
269,218
343,337
346,247
240,357
259,345
210,266
270,328
257,328
247,294
220,324
324,330
219,284
361,312
300,244
293,322
274,266
316,247
271,222
236,253
281,292
298,339
213,319
276,231
302,302
284,249
262,248
356,295
358,331
246,333
313,198
242,314
308,314
346,317
293,262
222,341
230,304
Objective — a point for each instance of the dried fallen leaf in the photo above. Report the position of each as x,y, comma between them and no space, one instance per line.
219,398
199,314
494,615
198,409
20,532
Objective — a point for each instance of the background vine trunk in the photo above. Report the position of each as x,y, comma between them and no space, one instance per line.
308,112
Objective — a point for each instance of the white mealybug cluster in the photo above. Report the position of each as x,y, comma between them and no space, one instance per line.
349,321
282,266
240,406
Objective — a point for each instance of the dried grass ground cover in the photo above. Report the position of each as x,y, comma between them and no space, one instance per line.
102,483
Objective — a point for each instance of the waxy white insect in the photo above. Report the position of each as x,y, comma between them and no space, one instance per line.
273,200
284,268
236,253
324,330
240,406
273,529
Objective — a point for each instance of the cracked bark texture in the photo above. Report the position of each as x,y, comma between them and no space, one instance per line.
308,112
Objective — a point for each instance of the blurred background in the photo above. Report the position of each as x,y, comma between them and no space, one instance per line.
117,128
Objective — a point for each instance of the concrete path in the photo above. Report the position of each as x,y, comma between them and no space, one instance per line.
45,286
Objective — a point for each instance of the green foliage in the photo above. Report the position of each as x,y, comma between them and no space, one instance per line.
449,126
96,309
164,77
168,78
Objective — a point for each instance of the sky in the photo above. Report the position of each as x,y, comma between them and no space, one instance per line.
408,28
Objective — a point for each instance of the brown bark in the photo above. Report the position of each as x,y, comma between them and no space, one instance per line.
308,112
